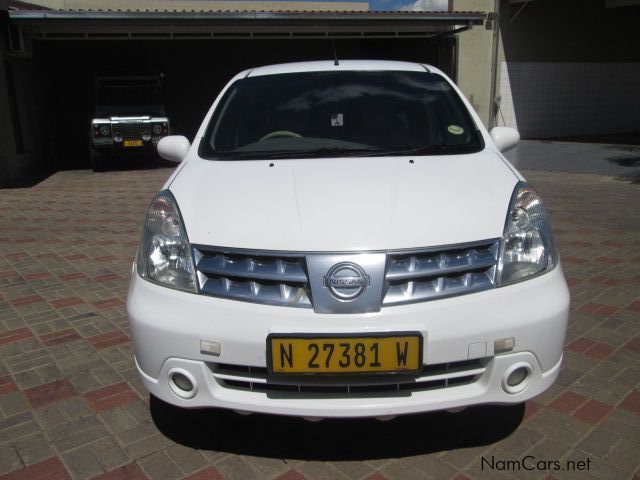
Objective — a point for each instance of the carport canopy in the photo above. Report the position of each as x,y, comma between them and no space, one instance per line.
164,25
52,58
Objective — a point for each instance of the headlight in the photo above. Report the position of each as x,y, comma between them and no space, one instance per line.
527,242
105,130
165,254
157,129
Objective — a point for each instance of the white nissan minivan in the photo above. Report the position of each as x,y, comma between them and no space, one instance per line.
346,240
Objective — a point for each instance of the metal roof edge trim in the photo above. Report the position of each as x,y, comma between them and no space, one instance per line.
52,15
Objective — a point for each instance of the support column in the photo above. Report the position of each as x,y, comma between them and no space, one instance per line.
475,55
8,153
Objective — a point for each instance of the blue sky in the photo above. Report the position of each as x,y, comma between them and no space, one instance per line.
387,4
441,5
437,5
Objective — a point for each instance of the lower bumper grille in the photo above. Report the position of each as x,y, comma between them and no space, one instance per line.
432,377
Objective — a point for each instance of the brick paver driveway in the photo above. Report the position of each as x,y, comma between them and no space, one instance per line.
71,405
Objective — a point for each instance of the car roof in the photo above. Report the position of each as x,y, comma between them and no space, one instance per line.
343,65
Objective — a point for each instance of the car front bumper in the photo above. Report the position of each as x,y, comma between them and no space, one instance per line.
114,149
168,326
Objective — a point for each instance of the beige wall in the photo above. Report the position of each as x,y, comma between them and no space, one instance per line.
200,5
475,49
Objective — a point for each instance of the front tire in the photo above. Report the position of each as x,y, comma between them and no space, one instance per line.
98,161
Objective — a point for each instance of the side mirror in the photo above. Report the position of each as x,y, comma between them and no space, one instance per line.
505,138
173,148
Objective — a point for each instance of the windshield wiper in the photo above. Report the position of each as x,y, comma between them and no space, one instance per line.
347,151
304,153
344,152
434,149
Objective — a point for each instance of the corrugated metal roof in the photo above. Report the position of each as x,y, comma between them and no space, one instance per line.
22,11
18,5
189,24
360,12
212,10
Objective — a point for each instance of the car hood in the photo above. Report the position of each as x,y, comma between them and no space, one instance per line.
344,204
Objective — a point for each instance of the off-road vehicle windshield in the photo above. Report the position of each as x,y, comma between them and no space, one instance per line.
335,114
121,97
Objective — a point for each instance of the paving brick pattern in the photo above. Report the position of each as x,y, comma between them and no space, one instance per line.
71,405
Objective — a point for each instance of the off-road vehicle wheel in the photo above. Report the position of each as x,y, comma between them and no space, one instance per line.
98,161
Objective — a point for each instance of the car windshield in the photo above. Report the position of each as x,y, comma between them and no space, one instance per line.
339,114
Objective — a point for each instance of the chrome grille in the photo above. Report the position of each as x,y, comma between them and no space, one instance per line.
131,131
428,274
255,277
256,379
282,278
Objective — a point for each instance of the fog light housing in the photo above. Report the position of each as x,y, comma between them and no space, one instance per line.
517,378
182,383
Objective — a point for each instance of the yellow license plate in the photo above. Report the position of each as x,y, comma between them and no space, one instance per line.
357,354
133,143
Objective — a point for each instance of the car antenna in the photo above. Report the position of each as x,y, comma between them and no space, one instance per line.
335,54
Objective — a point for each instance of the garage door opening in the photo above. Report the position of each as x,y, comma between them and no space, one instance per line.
55,81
